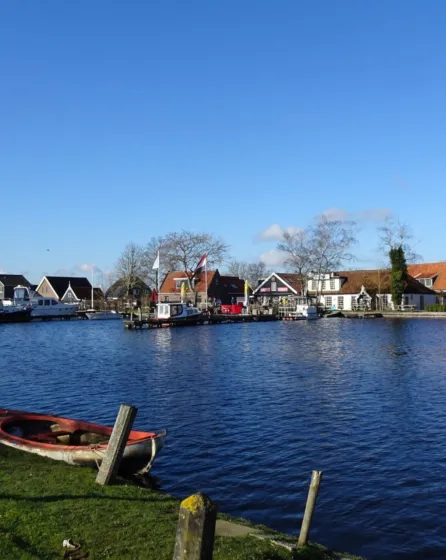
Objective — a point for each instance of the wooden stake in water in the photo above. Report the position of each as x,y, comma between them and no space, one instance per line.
316,478
116,445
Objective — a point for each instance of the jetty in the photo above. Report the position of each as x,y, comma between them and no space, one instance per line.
217,319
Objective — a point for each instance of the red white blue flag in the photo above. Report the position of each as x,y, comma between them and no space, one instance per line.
201,264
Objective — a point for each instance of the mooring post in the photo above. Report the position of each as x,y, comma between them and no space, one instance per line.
196,529
116,445
316,478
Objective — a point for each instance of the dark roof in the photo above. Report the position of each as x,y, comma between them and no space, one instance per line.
233,284
84,293
119,289
60,283
14,280
293,280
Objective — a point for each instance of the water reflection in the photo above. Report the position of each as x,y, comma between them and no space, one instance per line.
252,409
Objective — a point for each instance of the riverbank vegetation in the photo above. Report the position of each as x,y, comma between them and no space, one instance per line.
43,502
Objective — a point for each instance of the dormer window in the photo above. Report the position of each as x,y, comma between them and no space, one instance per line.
179,282
332,284
426,281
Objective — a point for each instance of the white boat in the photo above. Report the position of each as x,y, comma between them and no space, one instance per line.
43,307
94,315
305,311
177,311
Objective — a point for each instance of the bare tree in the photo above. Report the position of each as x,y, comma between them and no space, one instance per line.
320,249
298,248
252,272
184,249
129,266
394,234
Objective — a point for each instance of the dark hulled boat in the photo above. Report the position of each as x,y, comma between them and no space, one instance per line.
12,314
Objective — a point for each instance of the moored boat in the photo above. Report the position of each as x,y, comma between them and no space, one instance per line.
43,307
14,314
93,315
75,442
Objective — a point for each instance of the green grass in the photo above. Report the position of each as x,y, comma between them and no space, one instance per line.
43,502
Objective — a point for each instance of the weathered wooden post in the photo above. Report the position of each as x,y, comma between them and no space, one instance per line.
116,445
316,478
196,529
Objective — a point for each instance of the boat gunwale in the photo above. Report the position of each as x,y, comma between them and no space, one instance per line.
14,414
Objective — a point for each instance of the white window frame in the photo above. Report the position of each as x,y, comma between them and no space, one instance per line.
341,302
328,301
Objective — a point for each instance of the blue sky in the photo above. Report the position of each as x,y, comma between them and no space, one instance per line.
124,120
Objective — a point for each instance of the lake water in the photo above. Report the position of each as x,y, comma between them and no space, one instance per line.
252,409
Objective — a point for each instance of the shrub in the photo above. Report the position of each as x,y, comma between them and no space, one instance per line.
436,307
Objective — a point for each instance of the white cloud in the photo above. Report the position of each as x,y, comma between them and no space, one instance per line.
273,258
275,232
85,267
371,215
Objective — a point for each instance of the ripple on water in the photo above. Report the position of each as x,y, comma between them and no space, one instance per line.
252,409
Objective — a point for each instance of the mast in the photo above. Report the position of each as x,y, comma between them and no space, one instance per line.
92,286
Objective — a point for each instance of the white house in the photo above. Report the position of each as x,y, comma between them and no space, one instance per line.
366,289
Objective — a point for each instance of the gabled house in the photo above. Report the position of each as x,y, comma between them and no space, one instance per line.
70,289
366,289
8,282
121,296
278,287
225,289
432,275
170,290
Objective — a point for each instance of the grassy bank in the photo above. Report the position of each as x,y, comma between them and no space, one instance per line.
43,502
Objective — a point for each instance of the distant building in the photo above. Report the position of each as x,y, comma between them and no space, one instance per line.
121,296
366,289
278,288
225,289
71,289
432,275
8,282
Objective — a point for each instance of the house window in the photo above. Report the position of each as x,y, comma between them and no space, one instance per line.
328,301
313,285
353,302
324,285
340,302
273,286
427,282
385,301
179,282
332,284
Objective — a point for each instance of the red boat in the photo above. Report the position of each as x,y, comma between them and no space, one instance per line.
74,441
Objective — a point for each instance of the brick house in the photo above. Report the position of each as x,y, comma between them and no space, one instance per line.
433,276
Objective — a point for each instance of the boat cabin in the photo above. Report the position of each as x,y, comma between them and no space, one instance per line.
176,311
22,294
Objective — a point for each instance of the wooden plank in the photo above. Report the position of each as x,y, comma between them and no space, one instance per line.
116,445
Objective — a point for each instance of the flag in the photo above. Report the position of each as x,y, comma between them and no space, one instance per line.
156,264
183,290
246,290
201,264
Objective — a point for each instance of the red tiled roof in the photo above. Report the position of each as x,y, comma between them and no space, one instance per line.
374,281
169,287
430,270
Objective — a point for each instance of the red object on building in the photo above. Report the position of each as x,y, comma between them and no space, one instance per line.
236,309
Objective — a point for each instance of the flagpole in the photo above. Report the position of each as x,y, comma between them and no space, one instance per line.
206,279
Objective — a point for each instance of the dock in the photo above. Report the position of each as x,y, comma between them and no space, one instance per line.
153,323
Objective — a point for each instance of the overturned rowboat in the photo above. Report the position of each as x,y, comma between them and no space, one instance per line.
75,442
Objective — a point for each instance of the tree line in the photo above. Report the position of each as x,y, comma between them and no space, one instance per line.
322,247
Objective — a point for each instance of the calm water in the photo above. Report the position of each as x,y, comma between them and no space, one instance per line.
253,409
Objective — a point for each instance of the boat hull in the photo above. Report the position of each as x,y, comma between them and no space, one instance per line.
16,316
103,316
139,453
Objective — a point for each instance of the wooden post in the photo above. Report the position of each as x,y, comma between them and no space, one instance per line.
116,445
196,529
316,478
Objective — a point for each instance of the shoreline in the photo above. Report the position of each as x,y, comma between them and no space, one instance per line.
45,502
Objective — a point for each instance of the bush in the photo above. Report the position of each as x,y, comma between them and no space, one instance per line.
436,307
